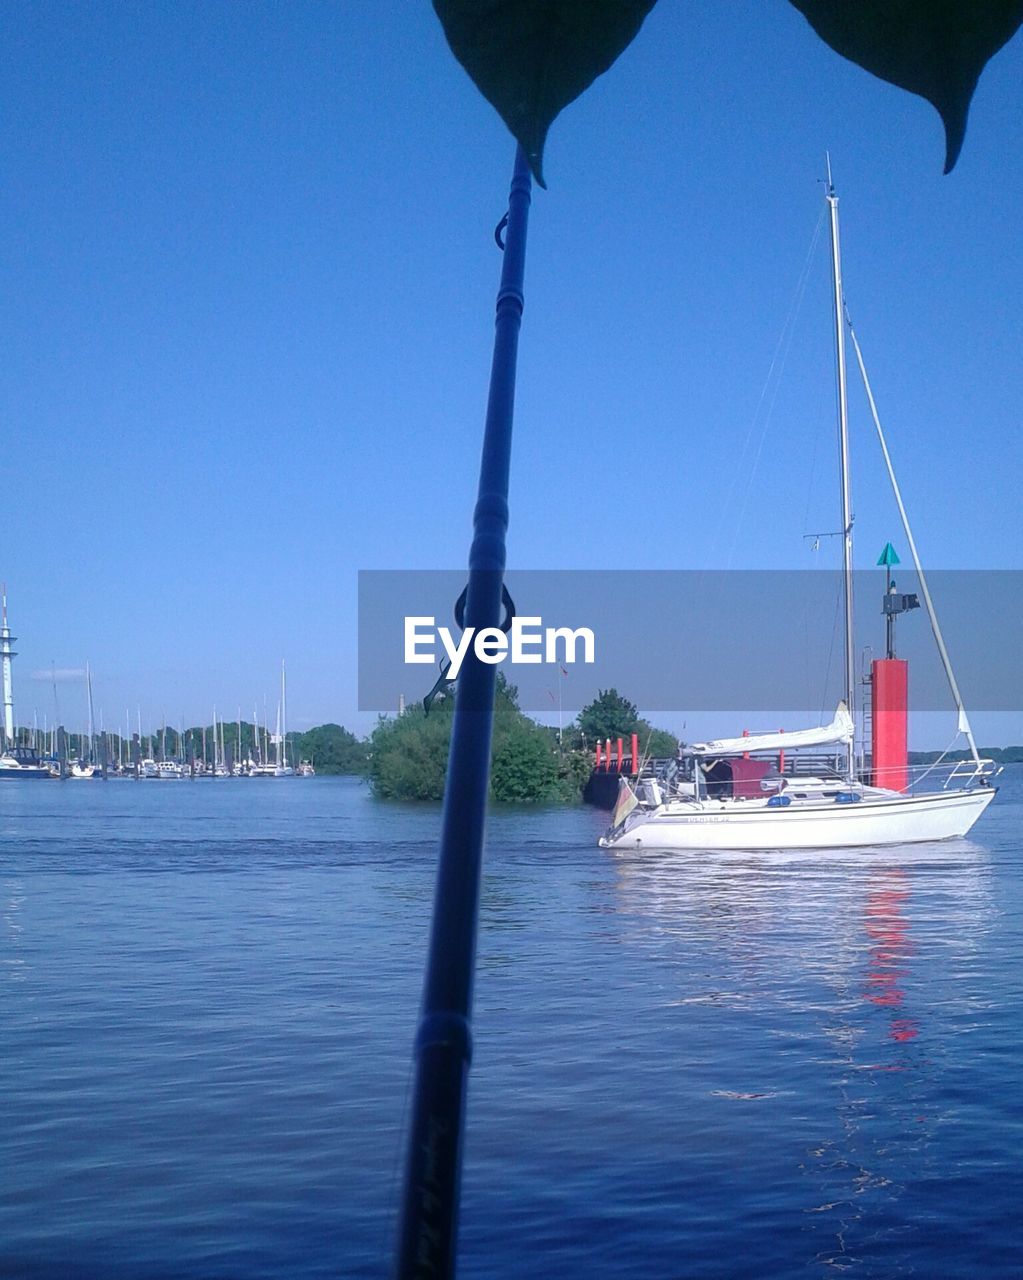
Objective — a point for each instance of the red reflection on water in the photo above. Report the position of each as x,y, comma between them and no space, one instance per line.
888,928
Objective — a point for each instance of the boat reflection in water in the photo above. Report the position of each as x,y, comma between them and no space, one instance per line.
890,951
820,1011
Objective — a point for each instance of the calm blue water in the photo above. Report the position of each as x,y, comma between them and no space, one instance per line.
721,1066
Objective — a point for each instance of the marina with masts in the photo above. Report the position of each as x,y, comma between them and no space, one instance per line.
226,748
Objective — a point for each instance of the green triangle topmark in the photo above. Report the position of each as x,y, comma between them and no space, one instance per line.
888,555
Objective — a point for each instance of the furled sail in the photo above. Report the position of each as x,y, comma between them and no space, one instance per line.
839,730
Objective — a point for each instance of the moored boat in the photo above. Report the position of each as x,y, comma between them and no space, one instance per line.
813,812
727,794
21,764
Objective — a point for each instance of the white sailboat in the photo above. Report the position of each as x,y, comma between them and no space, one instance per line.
283,769
219,769
85,768
261,766
703,801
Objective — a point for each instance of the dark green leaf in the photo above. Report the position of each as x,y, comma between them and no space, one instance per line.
531,58
936,48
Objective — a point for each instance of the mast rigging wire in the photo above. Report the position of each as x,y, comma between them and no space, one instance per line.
769,391
964,721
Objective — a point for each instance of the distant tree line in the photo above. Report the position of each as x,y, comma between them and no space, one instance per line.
1000,755
331,748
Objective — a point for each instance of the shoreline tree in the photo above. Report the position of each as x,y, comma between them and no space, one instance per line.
611,715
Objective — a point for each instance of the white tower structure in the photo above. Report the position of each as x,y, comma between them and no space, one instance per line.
6,654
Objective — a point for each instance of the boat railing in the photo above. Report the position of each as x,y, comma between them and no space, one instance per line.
789,764
940,775
912,779
966,771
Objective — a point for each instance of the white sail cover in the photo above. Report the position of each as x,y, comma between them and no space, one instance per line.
839,730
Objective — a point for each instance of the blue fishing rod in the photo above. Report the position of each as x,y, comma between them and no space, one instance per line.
427,1234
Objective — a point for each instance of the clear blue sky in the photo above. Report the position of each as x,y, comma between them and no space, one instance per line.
248,282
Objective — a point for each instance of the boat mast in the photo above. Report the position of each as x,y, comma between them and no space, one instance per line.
87,759
284,716
843,450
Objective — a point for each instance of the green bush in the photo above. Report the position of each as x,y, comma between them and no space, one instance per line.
523,767
409,755
332,749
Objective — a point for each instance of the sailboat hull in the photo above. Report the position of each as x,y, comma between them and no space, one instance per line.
731,825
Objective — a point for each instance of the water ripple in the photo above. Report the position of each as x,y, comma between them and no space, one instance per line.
714,1065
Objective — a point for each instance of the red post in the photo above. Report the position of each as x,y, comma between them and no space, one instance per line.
635,754
621,755
889,689
607,752
596,763
745,734
781,757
